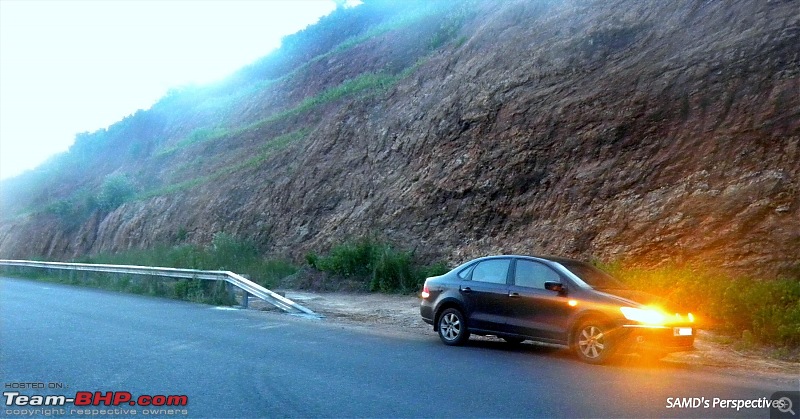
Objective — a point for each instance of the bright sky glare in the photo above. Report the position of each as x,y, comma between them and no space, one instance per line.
73,66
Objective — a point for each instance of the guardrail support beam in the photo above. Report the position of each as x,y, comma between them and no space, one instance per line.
248,287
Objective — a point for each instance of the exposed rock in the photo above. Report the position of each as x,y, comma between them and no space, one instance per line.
646,131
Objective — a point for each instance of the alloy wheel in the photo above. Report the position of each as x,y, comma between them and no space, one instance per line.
592,342
452,327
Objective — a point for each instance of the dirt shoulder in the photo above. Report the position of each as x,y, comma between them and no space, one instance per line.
400,313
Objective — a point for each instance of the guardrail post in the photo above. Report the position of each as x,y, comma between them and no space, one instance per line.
245,298
231,291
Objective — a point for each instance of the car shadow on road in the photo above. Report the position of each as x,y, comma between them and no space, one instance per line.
496,344
562,353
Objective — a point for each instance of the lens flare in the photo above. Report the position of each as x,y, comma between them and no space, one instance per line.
644,315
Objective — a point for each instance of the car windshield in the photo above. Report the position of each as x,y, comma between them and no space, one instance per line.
593,276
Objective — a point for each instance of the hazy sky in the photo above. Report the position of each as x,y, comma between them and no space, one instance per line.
74,66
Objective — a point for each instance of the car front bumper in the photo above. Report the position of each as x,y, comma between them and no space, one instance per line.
641,338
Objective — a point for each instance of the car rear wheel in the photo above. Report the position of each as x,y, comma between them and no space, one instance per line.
592,342
452,327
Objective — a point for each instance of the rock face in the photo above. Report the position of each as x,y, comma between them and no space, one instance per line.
645,131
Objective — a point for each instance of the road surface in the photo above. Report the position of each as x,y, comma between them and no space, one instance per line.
249,364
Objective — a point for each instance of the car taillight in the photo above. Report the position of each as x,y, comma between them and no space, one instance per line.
425,291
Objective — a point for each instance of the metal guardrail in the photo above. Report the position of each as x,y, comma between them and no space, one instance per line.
247,286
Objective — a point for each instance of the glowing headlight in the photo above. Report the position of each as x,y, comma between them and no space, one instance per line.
644,315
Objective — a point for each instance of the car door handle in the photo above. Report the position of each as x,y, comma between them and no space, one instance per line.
466,290
513,294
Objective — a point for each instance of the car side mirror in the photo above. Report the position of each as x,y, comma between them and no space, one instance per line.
555,286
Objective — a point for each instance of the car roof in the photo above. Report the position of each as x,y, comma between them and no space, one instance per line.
557,259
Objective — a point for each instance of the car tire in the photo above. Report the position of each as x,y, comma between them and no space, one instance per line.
453,327
592,342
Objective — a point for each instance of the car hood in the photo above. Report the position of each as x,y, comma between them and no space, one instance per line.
632,297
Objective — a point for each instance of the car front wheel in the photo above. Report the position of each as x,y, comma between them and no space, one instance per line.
452,327
592,341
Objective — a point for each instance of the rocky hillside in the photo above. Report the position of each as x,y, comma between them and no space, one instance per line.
649,132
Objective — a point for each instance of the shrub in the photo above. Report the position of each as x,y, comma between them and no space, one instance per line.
392,271
116,190
75,209
381,267
768,310
349,259
312,259
202,291
228,252
438,268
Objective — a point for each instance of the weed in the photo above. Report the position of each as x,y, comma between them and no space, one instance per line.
380,266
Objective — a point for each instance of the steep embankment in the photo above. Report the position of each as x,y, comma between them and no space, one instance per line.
646,131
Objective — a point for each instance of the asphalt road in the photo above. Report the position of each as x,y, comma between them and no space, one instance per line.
246,363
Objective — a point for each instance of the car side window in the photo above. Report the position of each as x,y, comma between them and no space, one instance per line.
492,270
464,274
534,274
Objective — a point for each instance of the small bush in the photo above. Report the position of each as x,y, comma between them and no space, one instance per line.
202,291
228,252
116,190
392,271
349,259
438,268
381,267
188,289
312,259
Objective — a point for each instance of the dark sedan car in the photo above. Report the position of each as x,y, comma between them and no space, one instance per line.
552,300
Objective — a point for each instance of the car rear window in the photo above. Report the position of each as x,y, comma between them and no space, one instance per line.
492,270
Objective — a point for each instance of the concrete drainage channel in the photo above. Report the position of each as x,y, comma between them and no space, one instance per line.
246,286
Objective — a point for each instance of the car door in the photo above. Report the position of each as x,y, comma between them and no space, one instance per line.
533,310
485,294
